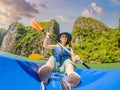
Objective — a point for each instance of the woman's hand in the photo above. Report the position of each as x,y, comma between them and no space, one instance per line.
76,58
47,35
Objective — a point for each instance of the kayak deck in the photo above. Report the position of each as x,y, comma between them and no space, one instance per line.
16,74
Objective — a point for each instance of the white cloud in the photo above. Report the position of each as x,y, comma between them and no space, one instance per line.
116,2
7,19
64,20
98,9
61,18
114,15
87,13
111,25
14,10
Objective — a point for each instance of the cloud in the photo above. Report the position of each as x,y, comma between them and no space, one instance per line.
111,25
63,19
6,19
34,5
91,12
116,2
114,15
14,10
44,6
87,13
98,9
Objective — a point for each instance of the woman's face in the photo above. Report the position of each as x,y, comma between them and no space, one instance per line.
63,38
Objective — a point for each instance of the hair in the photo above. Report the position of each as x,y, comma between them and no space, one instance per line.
69,43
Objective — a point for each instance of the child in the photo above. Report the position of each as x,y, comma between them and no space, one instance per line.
61,61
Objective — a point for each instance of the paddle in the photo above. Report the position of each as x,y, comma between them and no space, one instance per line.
35,56
36,25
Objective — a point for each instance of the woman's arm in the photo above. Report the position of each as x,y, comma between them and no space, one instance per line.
45,42
74,58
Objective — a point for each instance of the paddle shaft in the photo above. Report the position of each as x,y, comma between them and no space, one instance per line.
36,25
62,82
80,61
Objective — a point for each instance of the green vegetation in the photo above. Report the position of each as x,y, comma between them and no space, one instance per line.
102,66
91,38
96,42
21,57
92,66
29,41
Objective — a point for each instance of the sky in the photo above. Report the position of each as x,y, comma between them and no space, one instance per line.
65,12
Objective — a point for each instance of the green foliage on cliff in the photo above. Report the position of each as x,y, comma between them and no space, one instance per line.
29,40
97,42
91,38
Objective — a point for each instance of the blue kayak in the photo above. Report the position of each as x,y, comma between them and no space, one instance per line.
16,74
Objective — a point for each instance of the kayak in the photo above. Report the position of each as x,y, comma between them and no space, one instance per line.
18,74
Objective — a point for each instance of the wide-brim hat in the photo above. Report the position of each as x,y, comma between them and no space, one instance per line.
66,33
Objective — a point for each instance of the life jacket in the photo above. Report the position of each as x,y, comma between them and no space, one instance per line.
61,54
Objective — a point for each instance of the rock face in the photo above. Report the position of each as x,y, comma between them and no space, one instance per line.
83,25
9,39
24,40
2,34
87,23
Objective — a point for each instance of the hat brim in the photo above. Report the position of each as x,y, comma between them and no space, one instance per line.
66,33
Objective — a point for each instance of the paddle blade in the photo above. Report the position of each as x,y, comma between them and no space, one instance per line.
36,25
80,55
36,56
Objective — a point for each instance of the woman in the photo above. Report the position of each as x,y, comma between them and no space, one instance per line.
61,61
